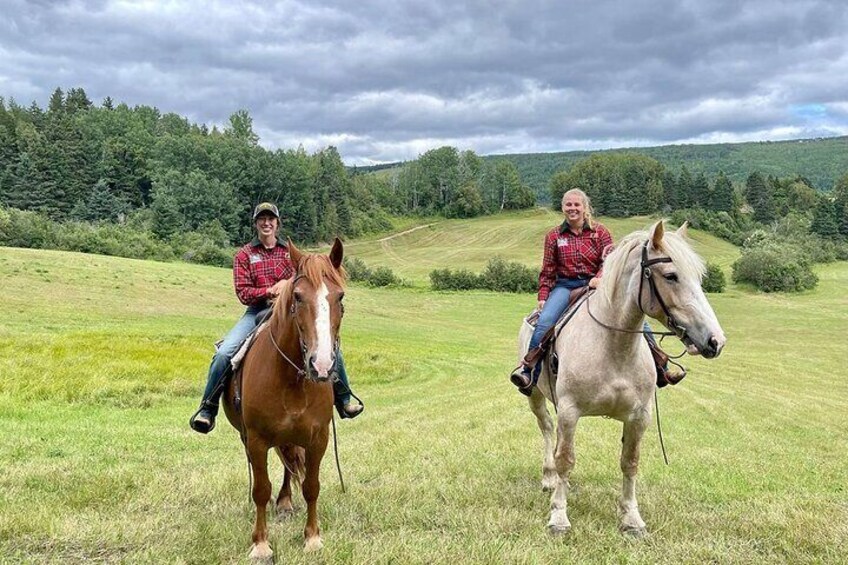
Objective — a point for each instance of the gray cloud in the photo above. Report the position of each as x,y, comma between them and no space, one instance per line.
386,80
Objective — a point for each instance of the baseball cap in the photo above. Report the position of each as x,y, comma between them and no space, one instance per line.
266,207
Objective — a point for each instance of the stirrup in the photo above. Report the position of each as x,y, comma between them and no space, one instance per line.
199,426
357,409
522,381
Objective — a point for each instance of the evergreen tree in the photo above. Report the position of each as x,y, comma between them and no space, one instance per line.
759,197
77,101
700,191
721,199
825,219
100,204
56,106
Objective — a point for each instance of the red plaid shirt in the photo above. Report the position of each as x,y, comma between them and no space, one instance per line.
255,269
573,256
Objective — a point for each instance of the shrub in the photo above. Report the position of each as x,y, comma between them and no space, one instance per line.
356,269
462,279
714,280
499,276
774,269
508,276
383,276
20,228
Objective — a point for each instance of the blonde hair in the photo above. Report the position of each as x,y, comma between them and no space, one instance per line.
588,211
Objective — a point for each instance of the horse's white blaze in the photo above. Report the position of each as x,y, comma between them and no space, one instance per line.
324,349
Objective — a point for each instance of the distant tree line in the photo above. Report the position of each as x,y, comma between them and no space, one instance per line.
821,160
77,161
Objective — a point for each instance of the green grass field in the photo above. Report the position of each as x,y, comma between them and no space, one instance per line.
102,361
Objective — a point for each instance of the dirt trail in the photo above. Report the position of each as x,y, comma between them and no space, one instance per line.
394,235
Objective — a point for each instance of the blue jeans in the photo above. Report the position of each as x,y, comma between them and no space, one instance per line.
554,306
222,360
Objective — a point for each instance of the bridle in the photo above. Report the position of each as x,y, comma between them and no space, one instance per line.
304,371
647,274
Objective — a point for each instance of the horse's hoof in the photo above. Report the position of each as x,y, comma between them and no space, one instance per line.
558,530
261,553
283,514
634,532
313,544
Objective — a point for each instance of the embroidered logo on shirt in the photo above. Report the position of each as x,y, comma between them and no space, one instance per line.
255,259
562,242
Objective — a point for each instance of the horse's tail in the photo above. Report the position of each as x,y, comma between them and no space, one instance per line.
294,460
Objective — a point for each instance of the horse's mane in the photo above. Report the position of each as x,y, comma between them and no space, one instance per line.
688,263
315,268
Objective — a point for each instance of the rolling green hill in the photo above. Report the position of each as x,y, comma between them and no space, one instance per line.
821,160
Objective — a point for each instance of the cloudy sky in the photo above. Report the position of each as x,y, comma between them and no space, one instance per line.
385,80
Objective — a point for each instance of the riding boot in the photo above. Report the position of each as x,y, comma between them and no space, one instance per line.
664,375
524,377
203,421
342,392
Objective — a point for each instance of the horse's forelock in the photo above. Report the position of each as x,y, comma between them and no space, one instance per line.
315,268
688,263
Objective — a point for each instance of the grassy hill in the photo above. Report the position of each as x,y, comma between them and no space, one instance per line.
102,361
515,236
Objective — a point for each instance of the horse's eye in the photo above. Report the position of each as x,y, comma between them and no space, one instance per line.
298,297
341,296
670,277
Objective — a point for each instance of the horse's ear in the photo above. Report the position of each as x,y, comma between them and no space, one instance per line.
657,233
683,231
337,254
294,253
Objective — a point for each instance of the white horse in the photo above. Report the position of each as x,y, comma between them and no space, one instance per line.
608,371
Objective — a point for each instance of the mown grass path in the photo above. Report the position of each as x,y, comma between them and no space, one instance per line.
102,361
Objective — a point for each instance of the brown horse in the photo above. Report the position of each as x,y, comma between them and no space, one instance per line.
286,393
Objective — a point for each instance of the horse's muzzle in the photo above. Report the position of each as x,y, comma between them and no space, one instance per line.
320,372
712,348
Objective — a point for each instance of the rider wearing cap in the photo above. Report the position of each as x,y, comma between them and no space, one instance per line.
259,268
